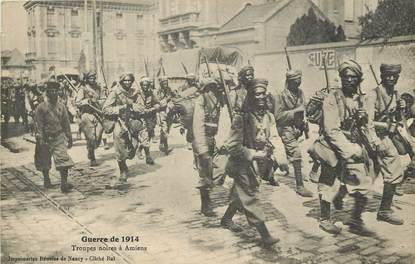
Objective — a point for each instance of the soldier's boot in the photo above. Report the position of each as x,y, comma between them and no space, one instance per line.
314,175
301,190
266,237
122,165
46,180
385,213
356,224
92,159
227,221
206,209
149,159
325,222
273,181
338,199
65,186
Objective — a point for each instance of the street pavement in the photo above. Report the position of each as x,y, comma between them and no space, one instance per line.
161,206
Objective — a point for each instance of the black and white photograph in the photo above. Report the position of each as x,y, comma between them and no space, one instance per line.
207,131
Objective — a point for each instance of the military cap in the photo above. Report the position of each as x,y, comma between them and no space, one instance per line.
89,74
257,82
390,68
351,65
293,74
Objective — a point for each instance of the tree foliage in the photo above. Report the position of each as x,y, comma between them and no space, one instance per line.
309,29
391,18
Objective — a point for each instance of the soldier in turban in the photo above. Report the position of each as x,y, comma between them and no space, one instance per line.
383,107
289,117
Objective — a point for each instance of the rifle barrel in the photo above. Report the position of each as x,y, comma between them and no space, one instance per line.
374,74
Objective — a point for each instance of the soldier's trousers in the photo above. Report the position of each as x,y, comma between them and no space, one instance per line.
244,189
205,166
126,142
92,130
57,148
289,136
390,167
165,125
354,175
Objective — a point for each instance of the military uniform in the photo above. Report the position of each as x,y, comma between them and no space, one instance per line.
165,96
289,116
91,122
19,104
251,133
343,160
53,135
382,107
205,127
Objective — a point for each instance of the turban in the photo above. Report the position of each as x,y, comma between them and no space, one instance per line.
293,74
208,82
52,85
127,75
351,65
88,74
259,83
190,76
163,79
244,70
390,68
145,79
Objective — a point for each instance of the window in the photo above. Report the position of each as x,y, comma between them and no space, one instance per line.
74,18
50,17
51,45
119,21
349,10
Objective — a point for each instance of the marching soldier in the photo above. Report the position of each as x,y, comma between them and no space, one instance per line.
341,154
289,116
120,107
191,82
238,94
205,127
165,95
150,105
89,99
53,137
383,106
253,137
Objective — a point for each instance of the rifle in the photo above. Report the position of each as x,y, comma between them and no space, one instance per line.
326,73
225,87
303,126
374,74
184,68
103,76
207,65
76,89
288,58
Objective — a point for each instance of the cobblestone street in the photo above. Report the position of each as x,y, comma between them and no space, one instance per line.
162,206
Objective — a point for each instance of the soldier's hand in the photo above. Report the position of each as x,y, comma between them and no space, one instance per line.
70,142
381,149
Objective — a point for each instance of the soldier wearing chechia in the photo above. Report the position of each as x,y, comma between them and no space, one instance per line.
205,127
384,118
148,101
53,137
252,139
165,95
122,109
289,116
89,99
343,157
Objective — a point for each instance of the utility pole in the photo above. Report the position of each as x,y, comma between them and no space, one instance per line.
94,33
86,40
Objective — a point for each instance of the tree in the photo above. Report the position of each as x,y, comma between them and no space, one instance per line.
391,18
309,29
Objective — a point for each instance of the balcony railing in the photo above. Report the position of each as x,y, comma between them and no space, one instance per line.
179,21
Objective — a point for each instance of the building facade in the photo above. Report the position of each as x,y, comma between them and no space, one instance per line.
346,13
62,34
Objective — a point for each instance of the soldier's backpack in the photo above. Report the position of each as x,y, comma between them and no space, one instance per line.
314,107
184,106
